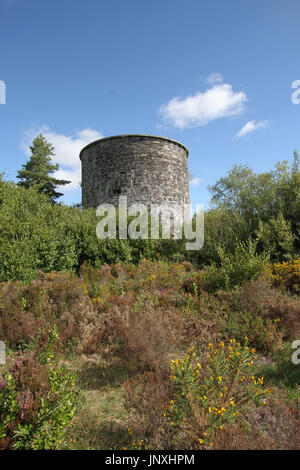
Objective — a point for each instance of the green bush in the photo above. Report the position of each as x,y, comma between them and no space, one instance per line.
263,333
207,399
276,237
38,235
242,265
35,234
221,228
37,401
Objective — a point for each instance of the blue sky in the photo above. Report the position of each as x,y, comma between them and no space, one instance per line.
215,75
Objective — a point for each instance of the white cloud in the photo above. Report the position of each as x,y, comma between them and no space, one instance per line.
214,77
66,149
195,182
73,175
251,126
200,109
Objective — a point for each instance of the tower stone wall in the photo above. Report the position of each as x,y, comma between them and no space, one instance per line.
147,169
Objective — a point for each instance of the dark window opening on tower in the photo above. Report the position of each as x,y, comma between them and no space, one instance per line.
116,190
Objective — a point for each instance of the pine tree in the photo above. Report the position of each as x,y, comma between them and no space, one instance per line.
37,171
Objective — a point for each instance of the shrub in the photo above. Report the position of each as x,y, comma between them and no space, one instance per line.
28,312
286,274
37,401
276,237
145,397
271,427
263,333
259,299
144,337
34,234
235,268
19,321
221,228
197,403
37,235
207,400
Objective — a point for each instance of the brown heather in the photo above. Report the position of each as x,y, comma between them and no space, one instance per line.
120,327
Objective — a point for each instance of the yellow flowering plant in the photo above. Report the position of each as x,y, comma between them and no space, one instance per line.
209,397
286,274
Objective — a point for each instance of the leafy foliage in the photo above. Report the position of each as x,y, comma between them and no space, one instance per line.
272,197
36,173
205,401
235,267
37,401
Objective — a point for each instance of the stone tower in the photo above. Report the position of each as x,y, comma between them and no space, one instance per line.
147,169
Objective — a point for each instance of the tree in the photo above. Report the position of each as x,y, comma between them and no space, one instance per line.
37,171
268,202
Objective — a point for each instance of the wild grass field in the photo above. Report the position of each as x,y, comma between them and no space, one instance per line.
149,357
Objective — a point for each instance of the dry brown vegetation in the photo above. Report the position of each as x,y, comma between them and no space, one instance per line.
121,326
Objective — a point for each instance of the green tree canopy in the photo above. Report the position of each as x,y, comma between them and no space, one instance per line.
37,171
260,196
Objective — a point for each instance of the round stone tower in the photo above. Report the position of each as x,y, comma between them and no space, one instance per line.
147,169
